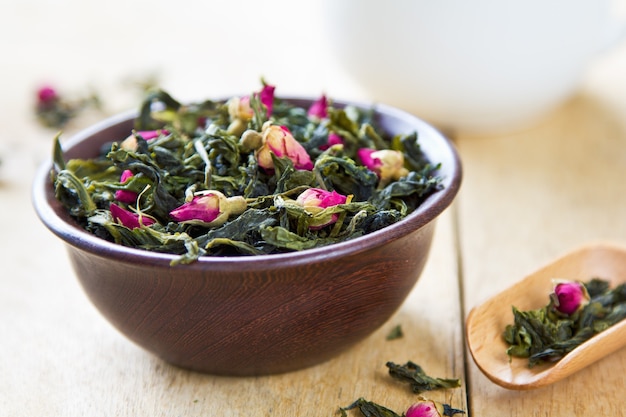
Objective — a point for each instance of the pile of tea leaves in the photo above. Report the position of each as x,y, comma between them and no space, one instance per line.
223,178
546,335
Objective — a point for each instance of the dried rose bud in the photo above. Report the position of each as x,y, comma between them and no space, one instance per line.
569,296
126,196
279,141
319,108
209,208
47,94
128,218
239,109
333,139
250,140
241,112
314,200
130,143
428,408
425,408
387,164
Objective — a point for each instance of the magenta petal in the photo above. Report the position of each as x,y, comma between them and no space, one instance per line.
332,199
47,94
267,97
333,139
126,196
126,174
151,134
365,155
319,108
128,218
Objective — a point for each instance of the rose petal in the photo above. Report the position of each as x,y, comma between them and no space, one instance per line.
365,155
333,139
319,108
128,218
126,196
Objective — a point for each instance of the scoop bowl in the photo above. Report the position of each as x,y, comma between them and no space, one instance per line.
486,322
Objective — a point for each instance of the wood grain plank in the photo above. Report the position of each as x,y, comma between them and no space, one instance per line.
528,198
60,357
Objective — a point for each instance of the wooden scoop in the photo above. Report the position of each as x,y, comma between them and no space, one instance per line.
486,323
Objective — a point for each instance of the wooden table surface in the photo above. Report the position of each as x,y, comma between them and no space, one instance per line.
527,197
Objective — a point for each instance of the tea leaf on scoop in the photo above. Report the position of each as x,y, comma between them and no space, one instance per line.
546,335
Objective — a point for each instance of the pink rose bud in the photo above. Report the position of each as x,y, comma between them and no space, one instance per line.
333,139
319,108
569,296
279,141
130,143
126,196
425,408
209,209
314,200
128,218
239,108
387,164
47,94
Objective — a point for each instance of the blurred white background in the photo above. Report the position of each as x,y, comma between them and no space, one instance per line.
196,50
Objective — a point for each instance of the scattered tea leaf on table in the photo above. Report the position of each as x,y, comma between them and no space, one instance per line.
417,379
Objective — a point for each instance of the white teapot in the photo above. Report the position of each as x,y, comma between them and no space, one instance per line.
479,65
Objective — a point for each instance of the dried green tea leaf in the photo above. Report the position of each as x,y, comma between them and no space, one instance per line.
395,333
57,154
449,411
368,409
417,379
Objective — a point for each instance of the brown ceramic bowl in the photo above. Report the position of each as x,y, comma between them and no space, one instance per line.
256,314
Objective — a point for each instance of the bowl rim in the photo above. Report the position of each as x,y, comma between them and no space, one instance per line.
429,210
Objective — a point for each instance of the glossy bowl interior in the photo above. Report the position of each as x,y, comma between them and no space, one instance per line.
253,315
